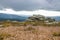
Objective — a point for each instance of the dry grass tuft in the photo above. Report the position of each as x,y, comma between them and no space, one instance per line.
56,34
4,35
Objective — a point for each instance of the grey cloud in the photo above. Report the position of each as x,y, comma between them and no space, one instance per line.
30,4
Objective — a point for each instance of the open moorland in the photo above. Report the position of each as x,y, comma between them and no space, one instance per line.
35,28
30,33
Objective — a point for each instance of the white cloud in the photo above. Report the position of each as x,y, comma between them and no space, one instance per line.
41,12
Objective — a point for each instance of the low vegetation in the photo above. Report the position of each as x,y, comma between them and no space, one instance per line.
4,35
29,29
56,34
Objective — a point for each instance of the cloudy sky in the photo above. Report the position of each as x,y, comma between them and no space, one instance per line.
29,7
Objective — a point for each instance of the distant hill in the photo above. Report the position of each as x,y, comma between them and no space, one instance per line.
57,18
12,17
